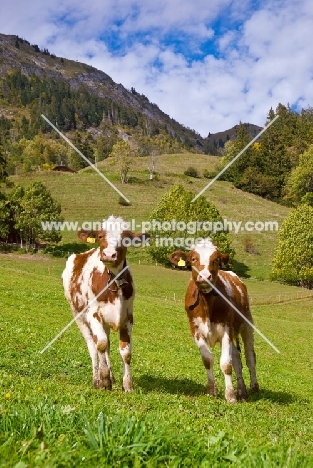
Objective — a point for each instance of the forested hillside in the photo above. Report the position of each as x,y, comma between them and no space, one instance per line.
79,100
271,167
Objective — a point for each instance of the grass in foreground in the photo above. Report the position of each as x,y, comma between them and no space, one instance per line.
56,435
51,416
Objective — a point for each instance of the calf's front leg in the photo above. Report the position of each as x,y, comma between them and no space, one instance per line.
248,341
107,355
91,345
208,361
101,340
125,352
237,364
226,366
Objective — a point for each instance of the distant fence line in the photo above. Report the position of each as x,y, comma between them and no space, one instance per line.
262,299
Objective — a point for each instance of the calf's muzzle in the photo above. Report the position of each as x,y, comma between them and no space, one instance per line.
108,256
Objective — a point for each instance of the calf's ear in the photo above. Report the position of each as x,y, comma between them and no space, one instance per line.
224,260
89,237
179,255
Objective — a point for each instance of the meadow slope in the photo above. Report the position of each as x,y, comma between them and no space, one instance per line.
51,416
86,197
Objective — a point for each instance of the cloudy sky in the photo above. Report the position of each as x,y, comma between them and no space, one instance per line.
207,63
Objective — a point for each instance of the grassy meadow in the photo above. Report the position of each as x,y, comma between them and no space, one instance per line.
86,197
50,415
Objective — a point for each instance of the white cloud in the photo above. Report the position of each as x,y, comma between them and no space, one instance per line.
253,64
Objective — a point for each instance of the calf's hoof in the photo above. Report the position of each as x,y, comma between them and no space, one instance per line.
105,382
105,385
128,385
102,384
128,390
212,389
242,394
230,396
255,388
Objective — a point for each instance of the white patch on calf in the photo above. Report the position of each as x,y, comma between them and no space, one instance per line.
211,332
125,351
204,249
217,333
202,327
226,366
226,355
233,274
242,296
228,285
238,286
113,314
114,228
85,278
67,275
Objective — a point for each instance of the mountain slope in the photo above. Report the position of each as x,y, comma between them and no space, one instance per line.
19,55
215,142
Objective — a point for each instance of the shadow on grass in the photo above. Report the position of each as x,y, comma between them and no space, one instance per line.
240,269
65,250
282,398
150,383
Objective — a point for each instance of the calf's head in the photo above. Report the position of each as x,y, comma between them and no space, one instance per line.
205,260
113,240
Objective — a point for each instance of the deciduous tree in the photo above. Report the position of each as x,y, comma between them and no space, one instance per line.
177,205
300,182
122,157
32,206
293,259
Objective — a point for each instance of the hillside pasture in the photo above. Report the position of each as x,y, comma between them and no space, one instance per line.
86,197
51,416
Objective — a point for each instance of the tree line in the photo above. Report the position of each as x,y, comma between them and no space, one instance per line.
277,166
92,122
21,212
68,108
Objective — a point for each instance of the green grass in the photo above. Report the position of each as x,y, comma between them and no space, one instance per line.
51,416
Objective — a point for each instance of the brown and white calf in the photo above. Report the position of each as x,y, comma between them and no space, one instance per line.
212,319
102,299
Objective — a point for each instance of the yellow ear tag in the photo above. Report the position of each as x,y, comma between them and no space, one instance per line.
91,240
181,262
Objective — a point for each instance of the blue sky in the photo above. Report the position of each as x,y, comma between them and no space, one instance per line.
207,63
